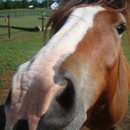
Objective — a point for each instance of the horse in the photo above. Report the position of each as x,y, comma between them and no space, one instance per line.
80,77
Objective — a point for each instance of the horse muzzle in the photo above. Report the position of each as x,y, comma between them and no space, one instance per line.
40,104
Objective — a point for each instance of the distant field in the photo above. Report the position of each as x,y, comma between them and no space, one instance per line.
25,11
126,46
21,46
14,52
27,21
24,21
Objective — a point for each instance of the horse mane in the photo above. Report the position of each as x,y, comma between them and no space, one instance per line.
59,17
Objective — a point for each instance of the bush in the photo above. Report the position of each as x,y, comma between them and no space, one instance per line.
17,4
1,5
8,4
24,4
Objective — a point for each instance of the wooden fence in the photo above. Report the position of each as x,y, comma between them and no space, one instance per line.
34,29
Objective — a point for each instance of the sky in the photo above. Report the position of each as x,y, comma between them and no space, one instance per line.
38,0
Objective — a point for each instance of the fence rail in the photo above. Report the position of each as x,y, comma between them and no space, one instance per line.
16,12
36,28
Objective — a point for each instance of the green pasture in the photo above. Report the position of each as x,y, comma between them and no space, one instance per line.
22,21
25,12
26,21
21,46
14,52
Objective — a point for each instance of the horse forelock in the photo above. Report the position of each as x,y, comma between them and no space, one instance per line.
59,17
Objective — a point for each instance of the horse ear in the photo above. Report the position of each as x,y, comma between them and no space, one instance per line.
124,72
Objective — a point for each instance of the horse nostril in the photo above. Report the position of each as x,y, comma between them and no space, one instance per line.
63,108
60,81
21,125
67,98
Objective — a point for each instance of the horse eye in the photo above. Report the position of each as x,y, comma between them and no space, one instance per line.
121,28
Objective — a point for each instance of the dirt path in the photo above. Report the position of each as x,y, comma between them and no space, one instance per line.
3,94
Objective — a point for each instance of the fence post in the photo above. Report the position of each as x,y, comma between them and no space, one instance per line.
42,22
9,26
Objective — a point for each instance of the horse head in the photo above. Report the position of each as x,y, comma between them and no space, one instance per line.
80,77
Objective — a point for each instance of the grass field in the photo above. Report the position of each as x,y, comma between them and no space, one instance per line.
20,47
29,22
39,11
24,21
14,52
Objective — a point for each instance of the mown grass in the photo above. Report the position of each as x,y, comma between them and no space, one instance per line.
25,11
29,22
126,50
126,46
17,50
14,52
23,21
22,45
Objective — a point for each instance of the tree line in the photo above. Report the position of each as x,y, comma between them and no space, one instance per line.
9,4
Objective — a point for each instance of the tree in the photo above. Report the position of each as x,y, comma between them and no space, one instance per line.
1,4
48,3
24,4
8,4
17,4
43,4
35,3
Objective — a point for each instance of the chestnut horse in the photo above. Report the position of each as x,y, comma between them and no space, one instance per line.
80,77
